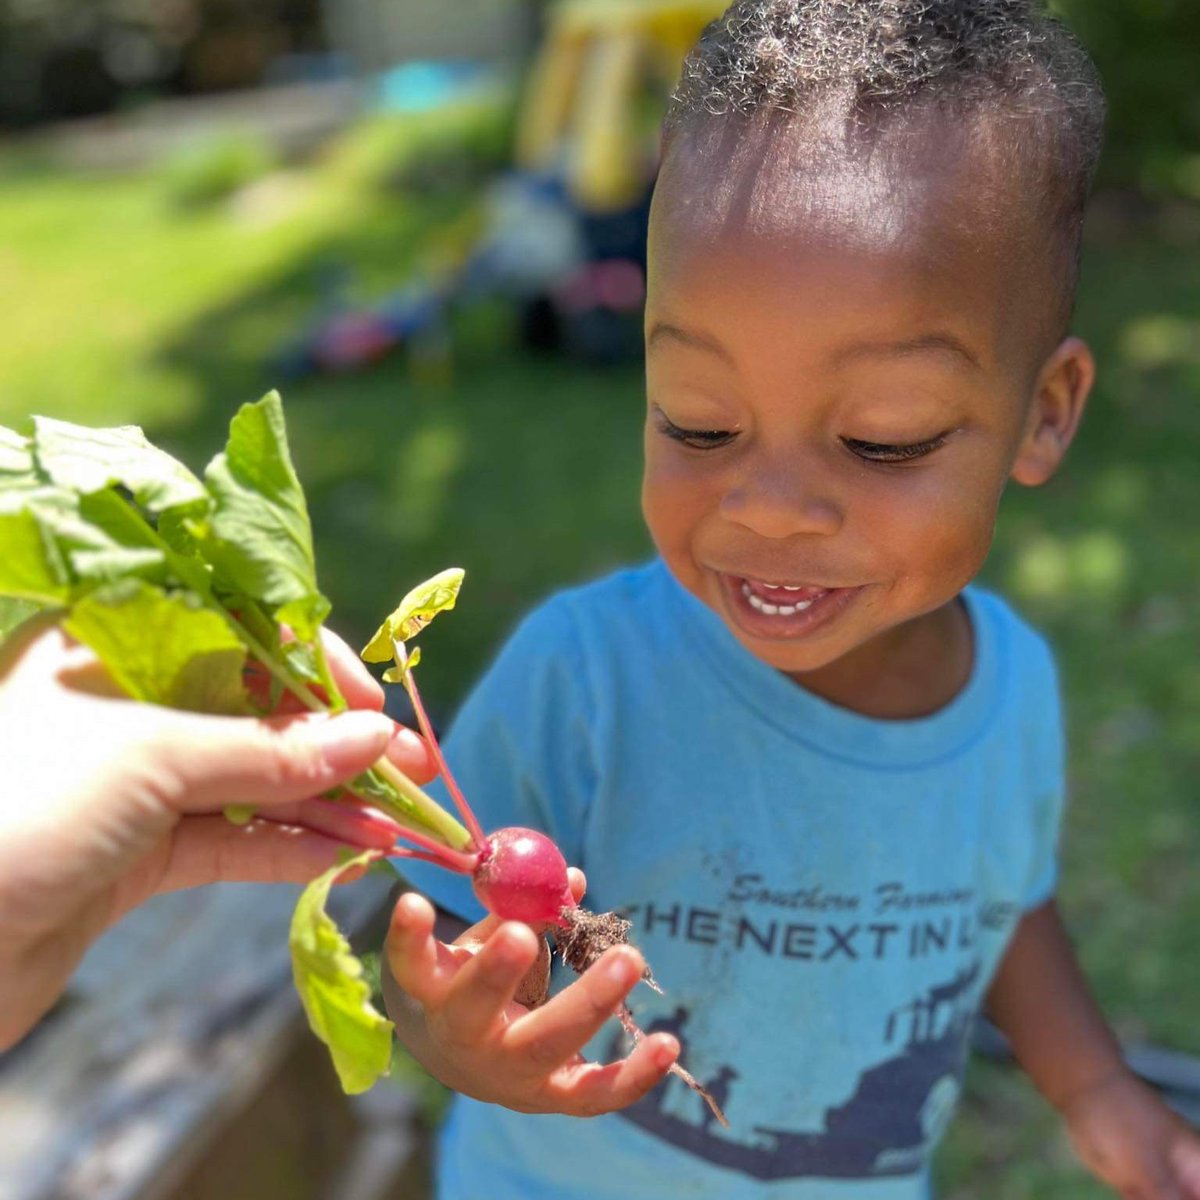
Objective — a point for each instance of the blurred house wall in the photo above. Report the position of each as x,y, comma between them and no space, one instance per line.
378,33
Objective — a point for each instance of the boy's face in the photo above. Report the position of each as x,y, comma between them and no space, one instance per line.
842,375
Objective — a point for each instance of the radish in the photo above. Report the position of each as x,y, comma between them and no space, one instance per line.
517,874
522,876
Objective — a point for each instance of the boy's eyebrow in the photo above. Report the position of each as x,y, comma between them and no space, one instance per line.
939,342
662,330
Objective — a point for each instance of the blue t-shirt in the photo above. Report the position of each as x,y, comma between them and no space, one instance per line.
824,896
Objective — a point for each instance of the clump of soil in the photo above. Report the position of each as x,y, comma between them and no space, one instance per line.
580,939
584,936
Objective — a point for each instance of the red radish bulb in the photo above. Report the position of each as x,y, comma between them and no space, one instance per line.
522,876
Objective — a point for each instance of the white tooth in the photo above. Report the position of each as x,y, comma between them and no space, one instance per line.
770,609
801,605
746,590
789,588
787,610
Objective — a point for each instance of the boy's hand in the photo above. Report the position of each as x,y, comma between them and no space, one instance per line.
479,1041
1128,1138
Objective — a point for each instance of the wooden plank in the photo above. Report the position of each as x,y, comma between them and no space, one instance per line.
175,1019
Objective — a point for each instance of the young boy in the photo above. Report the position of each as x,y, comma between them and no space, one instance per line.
819,771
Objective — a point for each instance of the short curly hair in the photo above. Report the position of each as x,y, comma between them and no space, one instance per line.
879,62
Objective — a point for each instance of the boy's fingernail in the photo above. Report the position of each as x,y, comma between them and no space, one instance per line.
352,739
666,1053
621,970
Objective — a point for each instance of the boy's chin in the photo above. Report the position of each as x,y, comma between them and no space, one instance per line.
796,661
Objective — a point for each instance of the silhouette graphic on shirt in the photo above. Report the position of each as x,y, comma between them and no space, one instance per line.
718,1088
885,1128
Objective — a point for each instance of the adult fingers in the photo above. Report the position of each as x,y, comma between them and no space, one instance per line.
201,763
589,1089
419,963
357,684
41,651
206,849
39,636
486,983
349,822
556,1031
411,753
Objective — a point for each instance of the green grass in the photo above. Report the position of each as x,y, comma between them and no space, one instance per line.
124,307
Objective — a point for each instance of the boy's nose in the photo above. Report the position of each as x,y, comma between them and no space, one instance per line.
781,504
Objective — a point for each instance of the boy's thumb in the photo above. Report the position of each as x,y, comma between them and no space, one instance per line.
203,764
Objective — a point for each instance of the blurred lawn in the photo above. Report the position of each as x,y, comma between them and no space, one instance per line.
125,307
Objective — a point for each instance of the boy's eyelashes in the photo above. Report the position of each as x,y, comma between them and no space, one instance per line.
879,452
711,439
701,439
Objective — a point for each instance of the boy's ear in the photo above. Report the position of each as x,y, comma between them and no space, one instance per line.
1059,396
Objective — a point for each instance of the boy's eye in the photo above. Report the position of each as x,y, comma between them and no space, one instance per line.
880,452
700,439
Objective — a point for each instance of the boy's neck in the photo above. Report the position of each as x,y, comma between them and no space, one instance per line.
911,671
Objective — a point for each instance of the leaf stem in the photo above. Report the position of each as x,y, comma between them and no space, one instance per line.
297,687
478,837
427,810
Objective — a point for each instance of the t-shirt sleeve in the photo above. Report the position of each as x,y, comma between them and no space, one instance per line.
520,749
1048,776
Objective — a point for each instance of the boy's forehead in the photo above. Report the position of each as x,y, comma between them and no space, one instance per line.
932,184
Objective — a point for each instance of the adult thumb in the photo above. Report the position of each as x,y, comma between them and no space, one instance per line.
202,764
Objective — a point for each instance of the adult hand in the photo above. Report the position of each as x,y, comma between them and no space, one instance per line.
460,1018
105,802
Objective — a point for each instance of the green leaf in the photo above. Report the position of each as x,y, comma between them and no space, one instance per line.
14,614
400,674
90,460
16,457
128,529
259,536
80,532
335,990
31,567
165,649
414,612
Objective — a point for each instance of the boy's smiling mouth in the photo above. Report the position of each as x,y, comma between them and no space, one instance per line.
775,611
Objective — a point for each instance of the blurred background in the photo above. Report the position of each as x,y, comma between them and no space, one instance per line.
424,223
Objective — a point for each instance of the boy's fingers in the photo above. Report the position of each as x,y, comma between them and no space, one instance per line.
484,986
589,1089
418,961
553,1033
1185,1161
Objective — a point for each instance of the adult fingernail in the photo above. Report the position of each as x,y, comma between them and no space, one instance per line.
406,742
352,741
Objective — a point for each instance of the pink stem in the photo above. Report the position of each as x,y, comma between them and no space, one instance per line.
405,852
473,826
453,860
